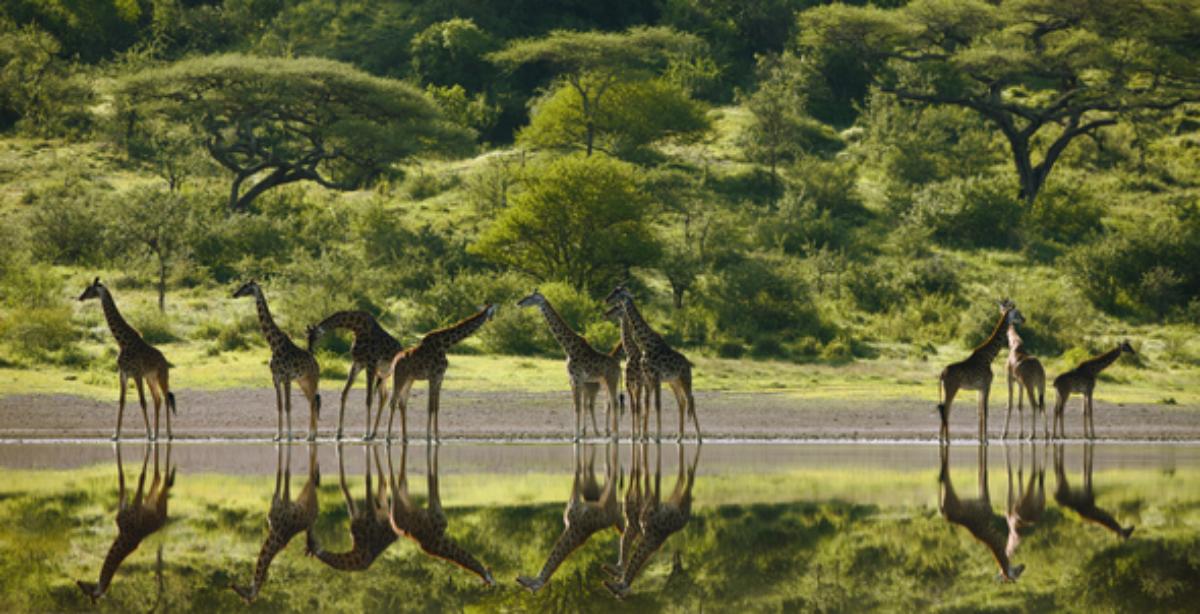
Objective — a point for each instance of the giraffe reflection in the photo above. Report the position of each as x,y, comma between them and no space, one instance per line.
1026,507
589,509
427,526
286,518
136,519
976,515
658,519
370,526
1083,501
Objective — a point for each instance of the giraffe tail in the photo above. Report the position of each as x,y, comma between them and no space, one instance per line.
171,403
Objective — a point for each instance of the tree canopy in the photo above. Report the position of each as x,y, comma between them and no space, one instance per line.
578,219
1043,72
593,62
273,121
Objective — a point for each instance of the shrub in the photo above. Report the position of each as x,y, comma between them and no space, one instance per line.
978,211
41,334
731,349
1066,211
155,326
66,224
762,295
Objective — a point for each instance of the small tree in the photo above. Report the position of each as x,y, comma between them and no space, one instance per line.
591,63
578,219
1042,72
452,53
273,121
636,114
159,224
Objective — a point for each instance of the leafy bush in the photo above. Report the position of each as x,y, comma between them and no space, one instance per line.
762,295
977,211
154,325
41,334
1066,211
66,223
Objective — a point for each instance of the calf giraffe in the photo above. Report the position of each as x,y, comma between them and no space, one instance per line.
136,519
1082,379
373,351
974,373
427,361
660,363
1026,508
585,365
658,519
288,362
1084,501
286,519
976,515
635,376
370,526
427,526
137,360
588,511
1029,375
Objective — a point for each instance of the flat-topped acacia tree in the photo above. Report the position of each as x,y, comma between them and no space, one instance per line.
274,121
593,62
1043,72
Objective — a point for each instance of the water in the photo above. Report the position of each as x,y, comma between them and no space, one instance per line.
752,527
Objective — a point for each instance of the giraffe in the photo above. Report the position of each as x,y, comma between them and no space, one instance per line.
427,526
585,365
1082,379
136,519
1029,375
591,390
1026,508
373,351
976,515
286,518
288,362
975,373
659,520
660,363
1084,501
370,525
136,360
635,377
427,360
588,510
635,498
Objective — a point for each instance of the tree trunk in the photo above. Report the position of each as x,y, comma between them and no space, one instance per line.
162,282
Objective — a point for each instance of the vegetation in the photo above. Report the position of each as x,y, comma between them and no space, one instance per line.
848,187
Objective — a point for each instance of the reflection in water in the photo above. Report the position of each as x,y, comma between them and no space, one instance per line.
136,519
427,526
1083,501
658,519
976,515
1026,507
370,525
589,509
286,518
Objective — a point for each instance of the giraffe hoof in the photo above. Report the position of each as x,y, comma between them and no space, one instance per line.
115,438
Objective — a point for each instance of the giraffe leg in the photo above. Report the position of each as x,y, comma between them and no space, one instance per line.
1060,405
613,421
951,390
156,396
1008,415
1020,408
121,406
656,384
983,407
593,392
354,367
287,406
691,407
1090,424
370,395
682,403
575,402
435,383
142,400
381,394
309,386
278,410
1042,407
165,386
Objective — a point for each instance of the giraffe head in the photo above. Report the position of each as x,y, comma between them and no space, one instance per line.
313,333
618,296
535,299
249,288
1009,310
1125,347
92,291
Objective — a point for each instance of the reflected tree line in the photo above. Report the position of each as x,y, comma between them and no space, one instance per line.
1001,534
387,511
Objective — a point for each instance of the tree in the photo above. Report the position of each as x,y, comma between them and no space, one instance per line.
273,121
591,63
637,113
38,91
158,224
578,219
452,53
1042,72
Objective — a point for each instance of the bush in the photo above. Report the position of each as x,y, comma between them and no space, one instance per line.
41,334
1065,212
731,349
66,224
978,211
761,295
155,326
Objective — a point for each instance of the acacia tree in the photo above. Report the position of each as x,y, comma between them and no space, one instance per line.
591,63
577,219
274,121
157,224
1043,72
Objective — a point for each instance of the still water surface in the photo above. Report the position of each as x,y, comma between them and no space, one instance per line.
598,527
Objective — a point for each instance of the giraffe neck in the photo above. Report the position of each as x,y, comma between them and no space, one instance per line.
275,337
275,543
650,542
121,330
1095,365
628,340
642,333
442,339
445,548
571,342
988,349
121,548
358,322
369,540
570,539
1015,343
